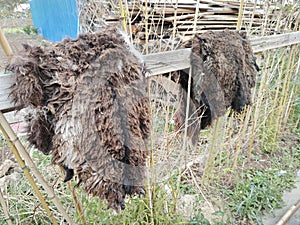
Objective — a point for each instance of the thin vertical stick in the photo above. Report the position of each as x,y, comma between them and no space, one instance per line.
150,184
290,97
186,124
75,199
294,90
242,135
167,120
129,22
256,117
211,149
78,206
123,16
239,23
174,25
252,16
162,26
248,116
286,67
146,27
266,14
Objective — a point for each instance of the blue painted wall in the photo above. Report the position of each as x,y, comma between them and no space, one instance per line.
55,19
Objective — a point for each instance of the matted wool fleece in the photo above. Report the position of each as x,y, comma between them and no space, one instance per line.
90,110
223,72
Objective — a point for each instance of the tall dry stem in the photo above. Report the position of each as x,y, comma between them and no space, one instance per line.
240,16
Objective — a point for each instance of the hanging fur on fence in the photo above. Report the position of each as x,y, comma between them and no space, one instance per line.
90,110
223,73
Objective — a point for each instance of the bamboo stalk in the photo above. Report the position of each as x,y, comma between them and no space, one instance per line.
77,204
189,87
289,87
199,188
242,132
246,126
186,124
252,16
277,106
240,17
17,147
284,89
211,151
129,22
174,25
266,16
259,102
286,217
294,90
5,45
162,26
150,183
146,27
123,16
75,199
5,210
12,139
167,120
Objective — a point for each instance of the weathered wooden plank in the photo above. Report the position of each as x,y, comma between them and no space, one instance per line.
164,62
220,4
190,33
6,80
205,22
261,44
186,28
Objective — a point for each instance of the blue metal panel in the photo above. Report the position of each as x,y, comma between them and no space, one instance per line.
55,19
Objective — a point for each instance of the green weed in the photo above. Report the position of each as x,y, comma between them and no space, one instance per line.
259,191
30,30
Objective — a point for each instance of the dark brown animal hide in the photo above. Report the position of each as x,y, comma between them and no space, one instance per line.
91,111
223,73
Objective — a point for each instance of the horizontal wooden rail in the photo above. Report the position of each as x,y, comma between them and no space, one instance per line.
6,80
260,44
165,62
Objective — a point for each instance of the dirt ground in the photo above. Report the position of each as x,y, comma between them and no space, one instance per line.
16,40
13,31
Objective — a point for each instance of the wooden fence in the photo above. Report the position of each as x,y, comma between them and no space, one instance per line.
165,62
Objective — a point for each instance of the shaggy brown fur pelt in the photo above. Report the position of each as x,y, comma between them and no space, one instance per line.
91,111
223,73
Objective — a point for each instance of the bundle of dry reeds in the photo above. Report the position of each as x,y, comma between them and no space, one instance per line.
158,19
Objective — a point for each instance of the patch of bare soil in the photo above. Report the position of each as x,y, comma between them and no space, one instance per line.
10,22
12,27
16,41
